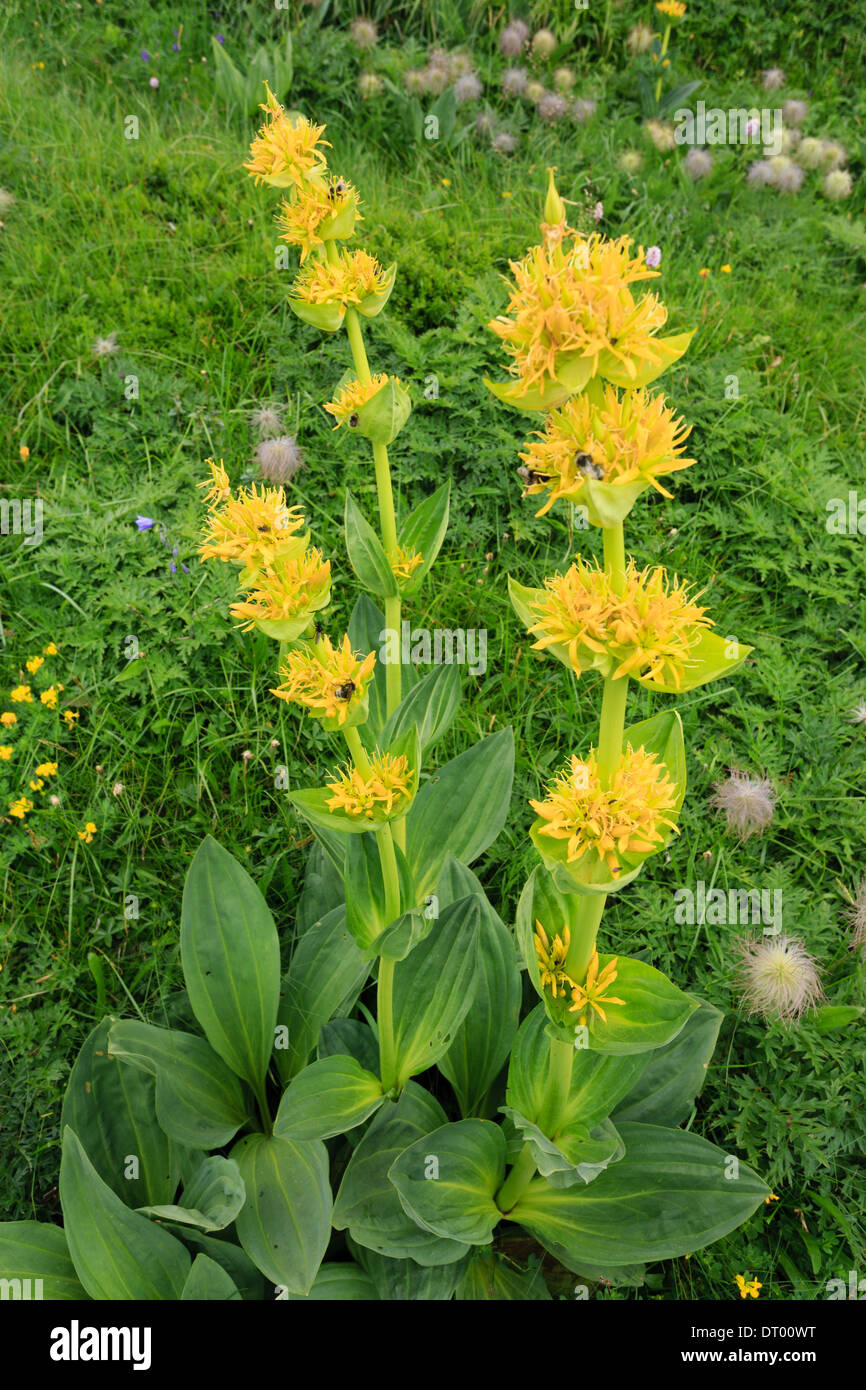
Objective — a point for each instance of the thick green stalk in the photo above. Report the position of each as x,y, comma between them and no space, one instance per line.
358,751
517,1181
583,936
558,1086
613,703
385,988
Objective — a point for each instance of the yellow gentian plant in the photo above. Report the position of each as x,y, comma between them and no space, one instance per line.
386,1081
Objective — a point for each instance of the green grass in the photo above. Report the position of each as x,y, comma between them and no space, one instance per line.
164,241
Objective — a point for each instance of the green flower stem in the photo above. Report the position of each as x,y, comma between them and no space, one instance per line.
613,703
583,936
385,991
358,751
558,1086
517,1181
667,35
614,555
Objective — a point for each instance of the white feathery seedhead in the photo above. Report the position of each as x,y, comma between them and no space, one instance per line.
748,803
639,39
504,142
467,88
790,179
837,185
857,713
364,32
267,421
584,109
106,347
773,79
794,112
552,107
856,915
279,459
698,163
810,152
778,977
760,174
513,38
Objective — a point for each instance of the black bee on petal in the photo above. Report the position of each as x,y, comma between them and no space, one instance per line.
319,633
345,692
337,189
585,464
530,477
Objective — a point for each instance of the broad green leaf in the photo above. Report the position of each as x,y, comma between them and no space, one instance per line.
210,1201
208,1281
833,1016
250,1282
447,1180
329,1097
349,1036
365,889
432,704
490,1279
577,1155
340,1283
461,809
326,968
665,1091
709,659
434,988
112,1108
423,532
367,1203
652,1014
327,317
598,1082
483,1040
668,350
403,935
37,1252
231,960
199,1101
285,1223
672,1194
322,891
118,1254
365,553
406,1281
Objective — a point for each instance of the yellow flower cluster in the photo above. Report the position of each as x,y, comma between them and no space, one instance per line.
295,589
627,818
255,529
672,9
405,563
649,630
385,786
592,994
347,280
328,681
633,437
320,210
573,302
23,694
355,394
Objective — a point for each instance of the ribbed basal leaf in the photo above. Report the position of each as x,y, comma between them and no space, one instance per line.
117,1253
672,1194
326,968
199,1102
112,1108
340,1283
434,988
285,1223
367,1203
330,1096
483,1040
490,1279
210,1201
665,1091
406,1281
231,960
447,1180
37,1251
461,809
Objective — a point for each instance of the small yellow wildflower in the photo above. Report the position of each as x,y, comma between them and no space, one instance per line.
49,697
626,818
750,1289
299,588
632,437
648,631
345,281
446,183
87,833
46,770
593,992
70,716
725,269
33,663
405,563
551,960
355,394
36,784
51,649
329,682
254,529
285,153
385,787
24,453
21,695
7,718
6,751
772,1198
673,9
20,808
704,273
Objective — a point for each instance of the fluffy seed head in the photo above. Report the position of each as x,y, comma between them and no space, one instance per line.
514,82
790,179
778,977
364,32
279,459
535,90
513,38
552,107
106,347
485,123
773,79
748,803
504,142
856,915
563,79
467,88
584,109
631,161
794,112
544,43
809,152
640,38
760,174
370,85
833,155
698,163
661,133
266,421
836,185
